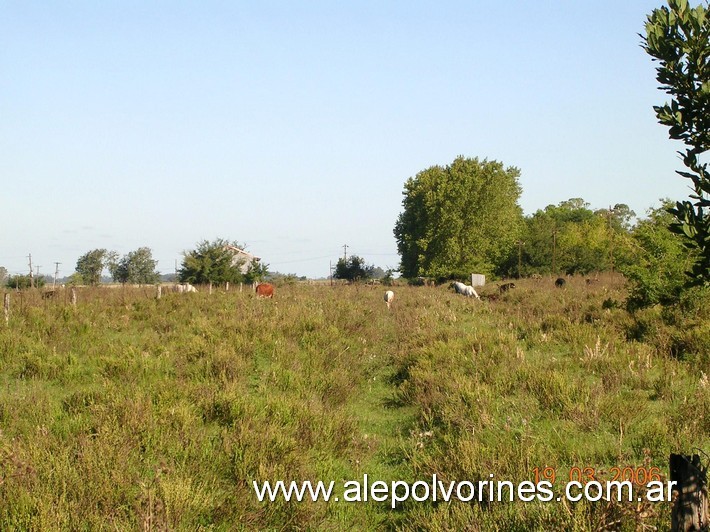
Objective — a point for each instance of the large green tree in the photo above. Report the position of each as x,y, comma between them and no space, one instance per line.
90,265
678,37
353,269
458,219
213,262
136,267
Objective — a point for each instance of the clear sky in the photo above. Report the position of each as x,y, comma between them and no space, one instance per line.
292,126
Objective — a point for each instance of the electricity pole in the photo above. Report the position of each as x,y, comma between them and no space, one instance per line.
56,272
345,252
32,281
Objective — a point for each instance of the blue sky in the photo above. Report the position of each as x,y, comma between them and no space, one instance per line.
292,126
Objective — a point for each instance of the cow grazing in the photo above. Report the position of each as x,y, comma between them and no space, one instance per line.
264,290
505,287
465,290
184,288
458,287
389,297
560,282
470,291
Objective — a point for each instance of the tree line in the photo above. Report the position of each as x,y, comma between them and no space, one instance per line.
210,262
464,217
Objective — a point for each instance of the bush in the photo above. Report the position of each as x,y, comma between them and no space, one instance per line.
21,282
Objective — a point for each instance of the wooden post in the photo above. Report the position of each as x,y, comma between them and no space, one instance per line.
210,288
159,292
690,510
241,286
226,288
6,306
73,296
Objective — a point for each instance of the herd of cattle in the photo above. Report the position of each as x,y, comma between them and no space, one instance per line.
267,290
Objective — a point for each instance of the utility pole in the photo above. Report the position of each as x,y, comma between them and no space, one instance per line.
345,252
32,280
56,272
37,268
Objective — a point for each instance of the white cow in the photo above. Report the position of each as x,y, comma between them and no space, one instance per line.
389,297
465,290
469,291
184,288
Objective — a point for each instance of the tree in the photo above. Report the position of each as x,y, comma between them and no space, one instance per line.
90,265
678,37
24,281
572,238
353,269
257,271
657,272
211,262
458,219
137,267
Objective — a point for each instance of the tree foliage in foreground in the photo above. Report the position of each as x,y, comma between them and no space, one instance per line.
660,260
458,219
678,37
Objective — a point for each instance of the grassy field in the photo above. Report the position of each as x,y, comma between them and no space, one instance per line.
133,413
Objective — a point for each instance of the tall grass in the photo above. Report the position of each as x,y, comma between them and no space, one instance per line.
129,412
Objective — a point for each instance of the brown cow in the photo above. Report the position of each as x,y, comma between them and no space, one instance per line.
264,290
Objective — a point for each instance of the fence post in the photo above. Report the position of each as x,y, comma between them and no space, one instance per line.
73,296
6,306
226,288
210,288
159,292
690,510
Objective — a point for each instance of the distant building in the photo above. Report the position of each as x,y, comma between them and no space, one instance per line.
242,258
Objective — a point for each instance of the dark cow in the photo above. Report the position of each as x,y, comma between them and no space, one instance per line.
264,290
560,282
505,287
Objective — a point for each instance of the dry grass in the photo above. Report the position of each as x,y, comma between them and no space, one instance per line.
128,412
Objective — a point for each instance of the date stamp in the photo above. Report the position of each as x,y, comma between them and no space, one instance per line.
640,476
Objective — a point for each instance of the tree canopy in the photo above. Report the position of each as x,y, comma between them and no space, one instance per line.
90,265
572,238
353,269
137,267
458,219
660,260
678,38
25,281
213,262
